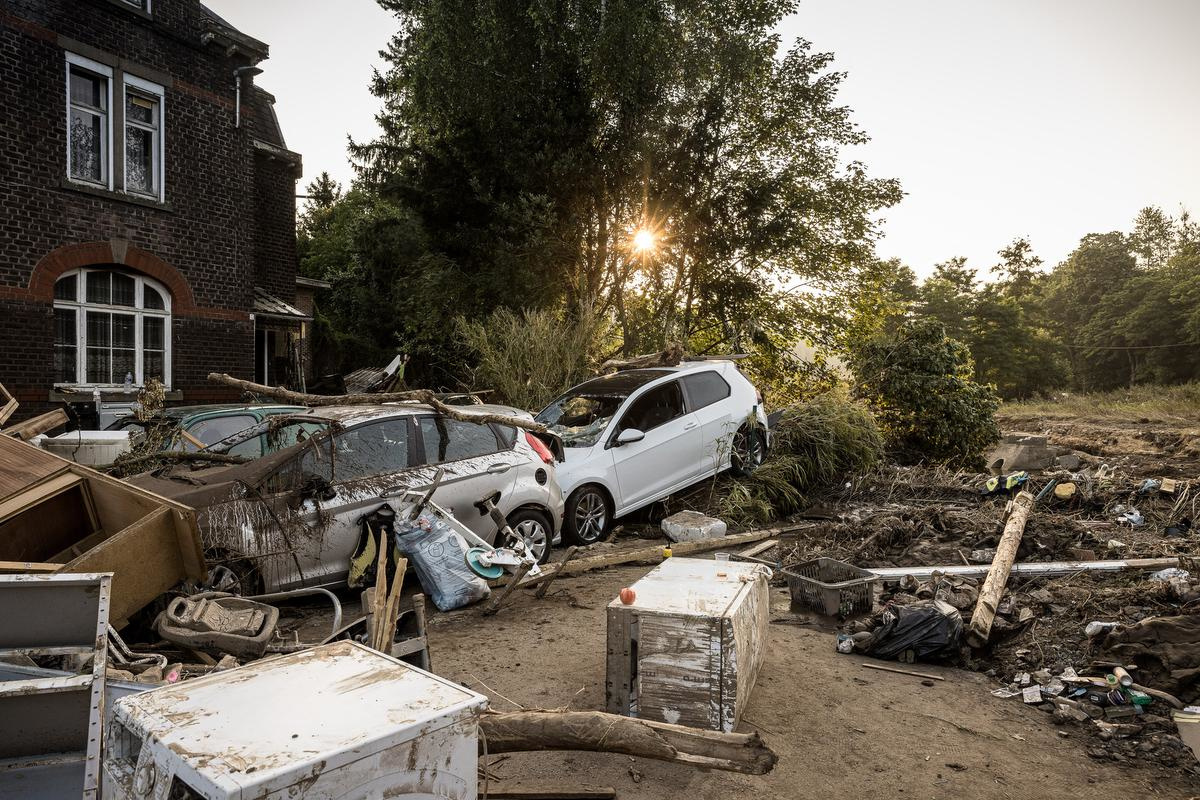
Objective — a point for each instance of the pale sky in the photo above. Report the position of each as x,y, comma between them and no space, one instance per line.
1001,118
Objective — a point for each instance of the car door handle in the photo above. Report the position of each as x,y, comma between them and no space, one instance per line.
689,426
496,469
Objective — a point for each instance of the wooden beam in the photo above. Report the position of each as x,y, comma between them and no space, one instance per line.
493,605
8,404
28,566
908,672
499,791
654,553
997,577
545,587
40,424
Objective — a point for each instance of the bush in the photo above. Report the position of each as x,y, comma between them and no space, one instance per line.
530,358
815,443
918,382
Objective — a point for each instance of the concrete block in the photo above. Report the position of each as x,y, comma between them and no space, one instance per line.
692,526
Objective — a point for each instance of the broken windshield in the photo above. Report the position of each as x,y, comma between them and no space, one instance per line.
579,418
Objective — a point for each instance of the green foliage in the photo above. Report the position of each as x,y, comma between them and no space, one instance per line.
530,358
919,383
816,443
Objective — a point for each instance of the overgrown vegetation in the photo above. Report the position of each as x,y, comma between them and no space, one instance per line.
530,358
919,383
1151,402
816,443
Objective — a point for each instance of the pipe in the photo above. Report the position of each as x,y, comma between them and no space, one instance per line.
337,604
1044,569
237,103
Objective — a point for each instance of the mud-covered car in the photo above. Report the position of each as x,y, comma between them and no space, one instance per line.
292,517
192,428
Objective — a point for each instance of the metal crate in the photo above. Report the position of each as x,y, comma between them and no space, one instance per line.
832,587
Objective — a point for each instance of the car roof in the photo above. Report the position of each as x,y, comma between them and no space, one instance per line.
628,381
187,411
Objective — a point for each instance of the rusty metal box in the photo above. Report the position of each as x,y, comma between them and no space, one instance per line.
687,650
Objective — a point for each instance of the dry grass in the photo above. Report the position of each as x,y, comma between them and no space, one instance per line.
1155,403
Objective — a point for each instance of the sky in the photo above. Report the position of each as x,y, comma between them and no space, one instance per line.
1048,119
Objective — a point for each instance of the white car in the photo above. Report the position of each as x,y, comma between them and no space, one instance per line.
634,437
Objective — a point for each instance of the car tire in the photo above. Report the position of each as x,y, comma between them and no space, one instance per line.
534,527
749,451
587,515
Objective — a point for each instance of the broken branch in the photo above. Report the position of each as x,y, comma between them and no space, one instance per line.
597,731
424,396
997,577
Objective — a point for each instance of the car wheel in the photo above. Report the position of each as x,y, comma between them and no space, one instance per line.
586,516
533,527
749,450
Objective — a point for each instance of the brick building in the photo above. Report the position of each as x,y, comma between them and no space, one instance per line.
147,205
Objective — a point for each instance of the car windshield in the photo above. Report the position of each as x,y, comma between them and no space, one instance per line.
579,418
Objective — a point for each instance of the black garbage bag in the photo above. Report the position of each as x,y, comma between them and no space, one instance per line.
922,631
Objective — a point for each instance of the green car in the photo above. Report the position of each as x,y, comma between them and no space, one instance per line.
192,428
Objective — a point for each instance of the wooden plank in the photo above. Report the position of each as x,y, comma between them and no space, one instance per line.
28,566
904,672
23,466
493,605
993,586
40,424
753,550
654,553
618,670
9,404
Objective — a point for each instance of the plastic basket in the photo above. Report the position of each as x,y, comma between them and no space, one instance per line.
832,587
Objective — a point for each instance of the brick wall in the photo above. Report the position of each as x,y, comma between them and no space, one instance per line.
229,215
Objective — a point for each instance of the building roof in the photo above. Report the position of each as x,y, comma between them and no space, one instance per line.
219,30
271,306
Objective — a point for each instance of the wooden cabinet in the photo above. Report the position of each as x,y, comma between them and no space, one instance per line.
689,647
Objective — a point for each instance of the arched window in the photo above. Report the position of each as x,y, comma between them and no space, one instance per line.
109,324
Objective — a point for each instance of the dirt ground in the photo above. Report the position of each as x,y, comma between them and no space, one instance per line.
840,731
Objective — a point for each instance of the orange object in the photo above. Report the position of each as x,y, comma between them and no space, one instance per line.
628,596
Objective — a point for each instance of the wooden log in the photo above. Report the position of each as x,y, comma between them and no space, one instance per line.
997,577
599,732
654,553
423,396
670,356
40,424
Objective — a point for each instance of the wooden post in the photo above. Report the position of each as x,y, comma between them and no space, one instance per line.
997,577
567,556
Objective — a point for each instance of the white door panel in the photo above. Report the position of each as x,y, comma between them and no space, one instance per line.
665,458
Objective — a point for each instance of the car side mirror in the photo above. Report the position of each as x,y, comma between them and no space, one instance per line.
629,436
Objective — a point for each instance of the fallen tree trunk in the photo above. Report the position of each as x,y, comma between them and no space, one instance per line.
997,577
424,396
654,553
599,732
668,357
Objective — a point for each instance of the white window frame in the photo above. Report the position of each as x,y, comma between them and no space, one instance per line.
160,174
138,310
105,72
140,5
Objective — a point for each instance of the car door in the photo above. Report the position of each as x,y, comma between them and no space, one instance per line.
359,465
476,464
706,393
669,455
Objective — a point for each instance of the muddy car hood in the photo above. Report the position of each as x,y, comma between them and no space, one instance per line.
200,488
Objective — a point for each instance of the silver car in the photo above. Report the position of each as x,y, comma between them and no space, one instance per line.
295,515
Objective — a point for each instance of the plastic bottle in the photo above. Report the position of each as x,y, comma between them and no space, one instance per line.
667,551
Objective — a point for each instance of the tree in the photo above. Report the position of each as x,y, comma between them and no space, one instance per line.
1018,269
919,383
531,138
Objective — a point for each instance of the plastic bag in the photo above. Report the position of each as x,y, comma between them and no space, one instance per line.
439,555
929,629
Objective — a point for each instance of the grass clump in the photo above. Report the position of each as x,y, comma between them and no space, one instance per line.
1136,403
815,443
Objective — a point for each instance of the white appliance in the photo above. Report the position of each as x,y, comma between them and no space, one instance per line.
337,721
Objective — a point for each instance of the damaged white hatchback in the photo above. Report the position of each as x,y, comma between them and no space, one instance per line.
293,518
633,437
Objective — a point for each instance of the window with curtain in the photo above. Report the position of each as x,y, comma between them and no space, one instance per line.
109,325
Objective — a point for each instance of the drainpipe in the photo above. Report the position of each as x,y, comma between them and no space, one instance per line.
250,71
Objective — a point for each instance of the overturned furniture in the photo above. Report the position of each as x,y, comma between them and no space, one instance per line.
56,515
50,724
686,651
339,720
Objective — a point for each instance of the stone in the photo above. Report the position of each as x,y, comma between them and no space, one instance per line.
692,526
1070,462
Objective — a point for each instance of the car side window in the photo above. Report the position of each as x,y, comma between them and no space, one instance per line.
376,448
450,440
705,388
656,407
214,429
